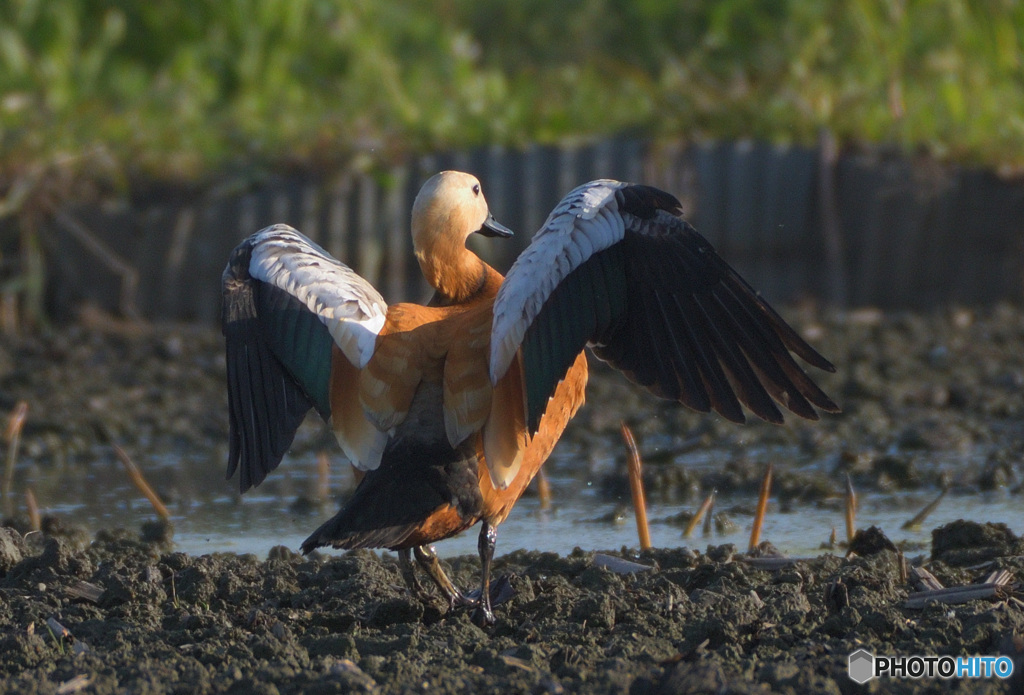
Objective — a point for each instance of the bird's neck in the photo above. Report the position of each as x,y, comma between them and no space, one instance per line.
453,270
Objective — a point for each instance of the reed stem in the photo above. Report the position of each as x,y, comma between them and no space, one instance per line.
636,486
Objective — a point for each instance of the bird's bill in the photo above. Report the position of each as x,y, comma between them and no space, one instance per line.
493,228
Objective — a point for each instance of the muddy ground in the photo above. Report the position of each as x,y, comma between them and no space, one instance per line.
121,611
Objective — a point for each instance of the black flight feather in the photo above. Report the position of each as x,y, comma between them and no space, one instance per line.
665,309
278,356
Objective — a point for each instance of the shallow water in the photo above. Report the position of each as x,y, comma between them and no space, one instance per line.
210,516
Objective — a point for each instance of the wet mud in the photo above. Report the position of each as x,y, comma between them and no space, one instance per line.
122,611
124,615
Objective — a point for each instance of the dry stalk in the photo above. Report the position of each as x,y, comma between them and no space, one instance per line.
916,522
956,594
851,510
34,520
709,515
128,273
76,684
85,591
543,490
135,475
708,503
636,486
762,509
772,563
12,434
923,580
1000,577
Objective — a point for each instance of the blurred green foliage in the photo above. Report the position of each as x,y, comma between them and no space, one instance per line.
174,89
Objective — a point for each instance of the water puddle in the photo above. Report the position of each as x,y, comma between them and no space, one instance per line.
209,516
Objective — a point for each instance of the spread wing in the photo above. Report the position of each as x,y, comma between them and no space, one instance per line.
616,267
287,302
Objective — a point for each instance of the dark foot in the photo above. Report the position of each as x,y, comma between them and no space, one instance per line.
501,592
427,559
461,600
482,617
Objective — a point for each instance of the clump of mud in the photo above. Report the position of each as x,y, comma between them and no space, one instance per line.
124,615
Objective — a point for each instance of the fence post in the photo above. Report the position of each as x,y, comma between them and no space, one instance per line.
337,219
370,251
396,235
831,228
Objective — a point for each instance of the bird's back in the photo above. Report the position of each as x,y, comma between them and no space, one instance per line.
428,377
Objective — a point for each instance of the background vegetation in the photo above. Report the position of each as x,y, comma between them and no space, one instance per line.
110,95
177,90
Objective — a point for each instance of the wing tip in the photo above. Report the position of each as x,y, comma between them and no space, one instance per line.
832,408
739,419
645,201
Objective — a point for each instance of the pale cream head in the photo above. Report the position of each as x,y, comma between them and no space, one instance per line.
449,207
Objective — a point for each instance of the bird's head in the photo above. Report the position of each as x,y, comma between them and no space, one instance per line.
449,207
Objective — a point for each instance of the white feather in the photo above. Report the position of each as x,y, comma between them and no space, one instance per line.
348,305
585,222
366,450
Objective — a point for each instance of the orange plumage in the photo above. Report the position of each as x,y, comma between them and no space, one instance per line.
452,408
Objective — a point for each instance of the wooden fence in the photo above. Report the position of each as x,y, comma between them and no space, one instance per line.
857,229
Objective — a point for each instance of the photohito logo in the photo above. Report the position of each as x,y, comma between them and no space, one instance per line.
864,666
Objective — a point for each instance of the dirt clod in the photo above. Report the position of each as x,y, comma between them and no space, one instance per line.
968,542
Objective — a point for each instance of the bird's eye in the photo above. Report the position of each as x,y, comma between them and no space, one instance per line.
476,189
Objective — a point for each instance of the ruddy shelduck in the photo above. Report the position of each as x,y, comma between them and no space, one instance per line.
451,408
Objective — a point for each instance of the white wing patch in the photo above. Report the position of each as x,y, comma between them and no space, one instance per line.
348,305
363,445
586,221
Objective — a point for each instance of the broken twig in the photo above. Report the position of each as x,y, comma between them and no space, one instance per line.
140,482
619,565
851,510
76,684
773,562
636,486
543,490
85,591
915,523
923,580
762,508
694,522
956,594
34,520
12,434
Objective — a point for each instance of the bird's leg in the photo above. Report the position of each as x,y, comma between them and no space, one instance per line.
427,559
482,615
409,572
